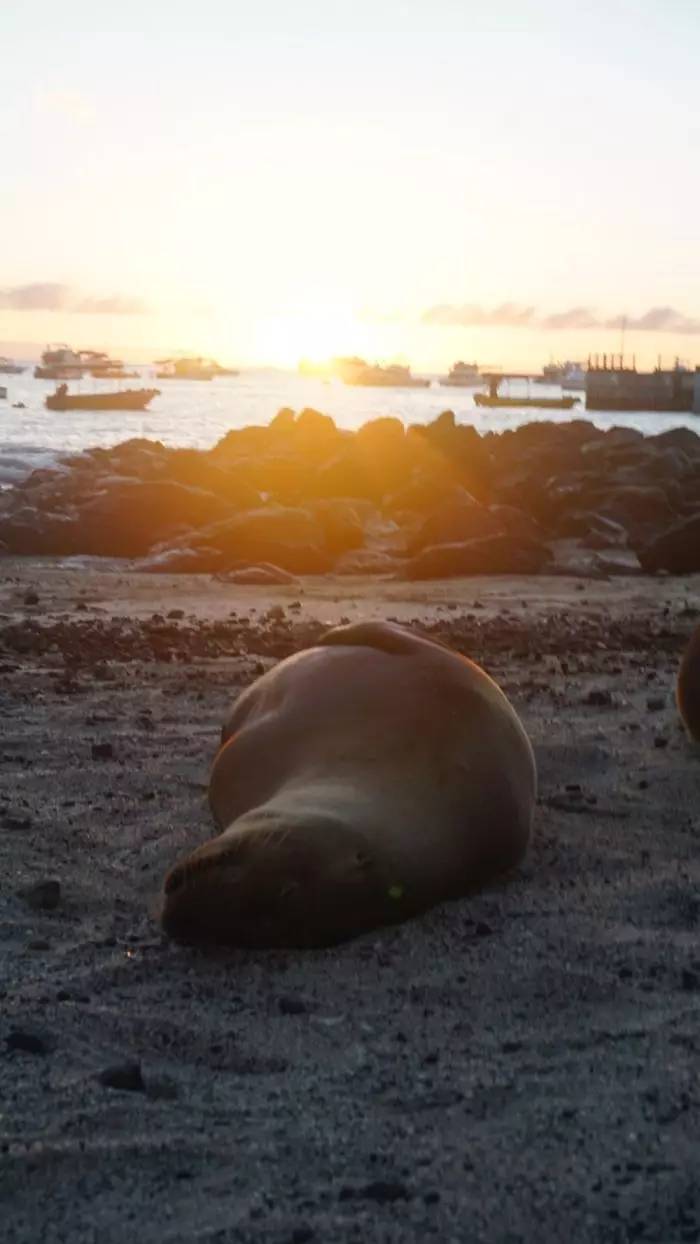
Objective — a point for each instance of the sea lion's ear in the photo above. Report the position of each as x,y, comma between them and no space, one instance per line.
381,635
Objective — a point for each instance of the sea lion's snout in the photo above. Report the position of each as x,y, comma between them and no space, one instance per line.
301,882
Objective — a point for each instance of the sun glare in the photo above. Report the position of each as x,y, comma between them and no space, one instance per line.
314,333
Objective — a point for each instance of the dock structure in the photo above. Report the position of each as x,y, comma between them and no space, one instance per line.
614,384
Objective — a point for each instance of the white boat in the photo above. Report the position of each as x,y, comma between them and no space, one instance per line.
59,362
463,376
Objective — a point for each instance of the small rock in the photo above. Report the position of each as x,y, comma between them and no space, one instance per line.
102,751
125,1076
13,820
176,614
382,1190
660,741
292,1006
162,1088
29,1042
31,598
599,698
690,981
656,704
44,896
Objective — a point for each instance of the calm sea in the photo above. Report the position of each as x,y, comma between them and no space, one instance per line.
197,414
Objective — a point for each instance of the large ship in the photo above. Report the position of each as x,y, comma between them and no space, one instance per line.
569,375
191,369
394,376
59,362
463,376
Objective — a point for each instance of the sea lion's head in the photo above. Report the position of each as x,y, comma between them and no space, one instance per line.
278,878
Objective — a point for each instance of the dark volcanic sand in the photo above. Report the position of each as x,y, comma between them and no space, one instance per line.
522,1066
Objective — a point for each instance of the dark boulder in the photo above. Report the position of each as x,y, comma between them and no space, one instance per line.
492,555
183,560
31,532
339,525
511,519
126,520
678,438
424,494
595,530
677,550
454,522
196,470
262,575
285,536
367,562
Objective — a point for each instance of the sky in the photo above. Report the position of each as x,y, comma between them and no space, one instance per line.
422,182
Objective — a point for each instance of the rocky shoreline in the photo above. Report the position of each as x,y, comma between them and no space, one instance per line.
302,497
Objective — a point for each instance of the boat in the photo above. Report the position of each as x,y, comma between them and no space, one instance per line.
10,368
112,373
463,376
394,376
492,398
569,375
541,403
59,362
191,369
3,392
123,399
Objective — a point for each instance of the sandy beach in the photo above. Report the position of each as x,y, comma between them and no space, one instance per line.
515,1067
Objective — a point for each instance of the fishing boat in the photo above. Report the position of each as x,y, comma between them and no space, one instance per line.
463,376
493,399
124,399
541,403
10,368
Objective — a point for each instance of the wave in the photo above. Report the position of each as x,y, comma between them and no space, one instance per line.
18,461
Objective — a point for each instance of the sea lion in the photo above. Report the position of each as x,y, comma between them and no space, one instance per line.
358,783
688,688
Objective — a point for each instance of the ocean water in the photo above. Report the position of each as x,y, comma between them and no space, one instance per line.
196,414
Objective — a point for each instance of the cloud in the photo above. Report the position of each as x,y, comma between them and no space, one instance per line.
577,317
659,320
512,315
116,305
52,296
509,315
